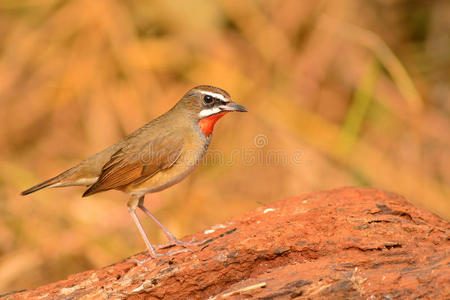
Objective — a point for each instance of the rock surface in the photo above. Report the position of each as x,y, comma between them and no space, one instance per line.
349,243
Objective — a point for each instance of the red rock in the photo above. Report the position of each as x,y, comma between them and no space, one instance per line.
356,243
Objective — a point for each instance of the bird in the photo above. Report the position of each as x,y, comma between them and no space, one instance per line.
153,158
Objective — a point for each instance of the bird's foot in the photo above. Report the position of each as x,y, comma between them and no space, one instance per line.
143,261
157,255
176,242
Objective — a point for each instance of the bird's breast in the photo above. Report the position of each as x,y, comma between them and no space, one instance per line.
194,148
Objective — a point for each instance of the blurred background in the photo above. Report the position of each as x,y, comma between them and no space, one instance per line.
340,93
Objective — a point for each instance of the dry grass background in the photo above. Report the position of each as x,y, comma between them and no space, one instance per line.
357,90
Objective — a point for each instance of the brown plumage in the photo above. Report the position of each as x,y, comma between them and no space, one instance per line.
154,157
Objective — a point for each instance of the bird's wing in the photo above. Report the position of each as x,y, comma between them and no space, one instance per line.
133,163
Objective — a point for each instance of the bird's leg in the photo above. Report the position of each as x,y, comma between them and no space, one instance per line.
172,239
132,205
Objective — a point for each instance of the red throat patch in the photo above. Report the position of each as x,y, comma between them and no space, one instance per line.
206,124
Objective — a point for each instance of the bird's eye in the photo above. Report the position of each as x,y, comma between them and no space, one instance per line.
208,100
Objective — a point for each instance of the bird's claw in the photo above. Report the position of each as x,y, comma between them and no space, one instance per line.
157,255
177,242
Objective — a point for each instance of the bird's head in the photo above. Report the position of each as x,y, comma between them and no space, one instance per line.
207,104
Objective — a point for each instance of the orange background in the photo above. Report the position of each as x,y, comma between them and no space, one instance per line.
356,91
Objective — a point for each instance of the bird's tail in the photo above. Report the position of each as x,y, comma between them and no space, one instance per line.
52,182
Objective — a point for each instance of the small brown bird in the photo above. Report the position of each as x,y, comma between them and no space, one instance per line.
154,157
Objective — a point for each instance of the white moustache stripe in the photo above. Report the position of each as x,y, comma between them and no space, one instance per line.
215,95
208,112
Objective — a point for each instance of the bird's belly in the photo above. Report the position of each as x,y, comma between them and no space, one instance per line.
185,164
163,180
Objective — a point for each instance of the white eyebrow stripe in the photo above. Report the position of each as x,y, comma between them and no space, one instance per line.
215,95
208,112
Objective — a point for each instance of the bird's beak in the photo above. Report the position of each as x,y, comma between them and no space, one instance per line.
231,106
